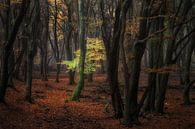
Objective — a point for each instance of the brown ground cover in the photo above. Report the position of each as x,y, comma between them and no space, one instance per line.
51,111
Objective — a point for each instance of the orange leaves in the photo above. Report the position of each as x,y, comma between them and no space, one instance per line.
132,27
163,70
61,14
16,1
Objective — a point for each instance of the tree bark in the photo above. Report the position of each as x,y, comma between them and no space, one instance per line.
9,46
80,85
187,67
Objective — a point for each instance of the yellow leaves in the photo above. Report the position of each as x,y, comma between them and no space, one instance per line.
94,54
71,65
95,49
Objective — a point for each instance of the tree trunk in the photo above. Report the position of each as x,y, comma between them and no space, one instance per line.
9,46
58,72
4,76
131,98
131,106
90,77
80,85
68,43
56,49
29,75
33,34
187,67
161,92
71,77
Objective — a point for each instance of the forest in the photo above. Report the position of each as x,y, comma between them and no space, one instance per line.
97,64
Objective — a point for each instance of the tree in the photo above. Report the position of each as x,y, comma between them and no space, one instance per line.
172,51
80,85
9,46
187,67
33,33
68,41
44,7
112,54
95,53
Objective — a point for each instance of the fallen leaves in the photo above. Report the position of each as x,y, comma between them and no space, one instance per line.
50,111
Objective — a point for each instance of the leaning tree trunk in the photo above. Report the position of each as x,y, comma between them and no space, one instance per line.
80,85
9,46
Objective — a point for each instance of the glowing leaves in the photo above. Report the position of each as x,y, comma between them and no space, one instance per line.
72,65
95,49
95,53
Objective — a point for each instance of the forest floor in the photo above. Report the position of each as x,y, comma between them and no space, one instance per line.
50,109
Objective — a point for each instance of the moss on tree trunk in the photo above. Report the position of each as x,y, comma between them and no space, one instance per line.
80,84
